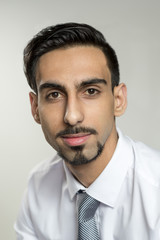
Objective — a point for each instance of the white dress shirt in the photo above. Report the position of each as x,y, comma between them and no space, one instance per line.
128,190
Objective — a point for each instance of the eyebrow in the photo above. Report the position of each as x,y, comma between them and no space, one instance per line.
79,85
51,85
92,81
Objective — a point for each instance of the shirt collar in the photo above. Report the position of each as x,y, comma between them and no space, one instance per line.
107,186
73,185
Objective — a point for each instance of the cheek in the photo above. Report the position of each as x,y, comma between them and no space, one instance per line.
101,113
101,118
51,119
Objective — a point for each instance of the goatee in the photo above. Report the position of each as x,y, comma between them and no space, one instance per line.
79,157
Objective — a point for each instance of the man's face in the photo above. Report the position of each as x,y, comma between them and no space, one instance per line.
75,102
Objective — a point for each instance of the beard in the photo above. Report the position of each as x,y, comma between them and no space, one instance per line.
79,157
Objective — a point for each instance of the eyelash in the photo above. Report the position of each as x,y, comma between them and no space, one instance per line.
50,95
94,90
59,94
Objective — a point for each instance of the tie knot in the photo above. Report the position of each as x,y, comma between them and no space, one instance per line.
87,208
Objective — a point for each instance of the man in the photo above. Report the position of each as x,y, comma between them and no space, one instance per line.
101,184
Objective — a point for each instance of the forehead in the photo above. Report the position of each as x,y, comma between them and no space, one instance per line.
72,65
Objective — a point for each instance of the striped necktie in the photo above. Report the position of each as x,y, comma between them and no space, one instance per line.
87,229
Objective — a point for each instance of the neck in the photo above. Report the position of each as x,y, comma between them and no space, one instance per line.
86,174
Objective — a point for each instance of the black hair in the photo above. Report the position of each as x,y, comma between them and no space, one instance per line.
64,36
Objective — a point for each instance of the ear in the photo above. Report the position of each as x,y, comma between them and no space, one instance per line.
120,99
34,106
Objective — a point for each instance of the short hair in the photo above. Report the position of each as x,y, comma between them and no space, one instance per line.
64,36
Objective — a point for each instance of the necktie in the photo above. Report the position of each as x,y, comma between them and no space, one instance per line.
87,229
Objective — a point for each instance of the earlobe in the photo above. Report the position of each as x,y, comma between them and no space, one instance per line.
120,95
34,106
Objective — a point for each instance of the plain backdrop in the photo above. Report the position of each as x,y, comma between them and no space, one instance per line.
131,27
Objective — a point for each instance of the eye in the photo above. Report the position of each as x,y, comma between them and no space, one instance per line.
53,95
92,91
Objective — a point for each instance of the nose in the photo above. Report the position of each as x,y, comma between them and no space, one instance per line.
73,112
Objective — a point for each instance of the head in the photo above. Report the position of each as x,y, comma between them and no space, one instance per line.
65,36
75,77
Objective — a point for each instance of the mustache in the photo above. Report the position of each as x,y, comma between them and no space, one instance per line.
71,130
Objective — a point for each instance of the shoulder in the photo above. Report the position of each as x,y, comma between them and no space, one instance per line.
147,162
47,165
47,172
146,154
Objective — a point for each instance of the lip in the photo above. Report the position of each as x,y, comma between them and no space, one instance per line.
75,139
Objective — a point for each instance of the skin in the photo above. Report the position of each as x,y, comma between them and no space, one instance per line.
74,90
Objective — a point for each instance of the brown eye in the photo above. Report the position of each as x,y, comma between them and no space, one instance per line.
55,94
91,91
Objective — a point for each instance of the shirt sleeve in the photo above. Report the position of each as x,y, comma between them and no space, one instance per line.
23,227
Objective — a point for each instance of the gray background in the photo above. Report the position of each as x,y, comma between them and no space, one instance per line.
131,27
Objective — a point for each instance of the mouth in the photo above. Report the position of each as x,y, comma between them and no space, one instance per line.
75,139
